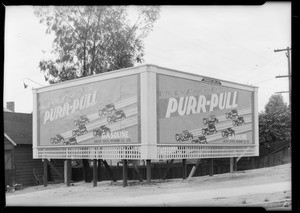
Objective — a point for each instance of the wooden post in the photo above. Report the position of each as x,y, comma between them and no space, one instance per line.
65,171
168,169
211,167
231,165
125,173
99,170
252,162
68,165
45,172
148,171
235,164
95,176
194,168
184,169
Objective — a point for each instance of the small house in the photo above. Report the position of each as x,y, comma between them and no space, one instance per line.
19,163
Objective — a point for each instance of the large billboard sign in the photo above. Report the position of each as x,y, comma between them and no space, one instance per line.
103,112
203,112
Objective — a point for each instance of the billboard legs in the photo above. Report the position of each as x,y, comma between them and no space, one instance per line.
45,172
67,171
125,173
148,171
95,170
184,169
233,165
211,167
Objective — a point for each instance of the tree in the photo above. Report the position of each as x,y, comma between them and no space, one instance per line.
93,39
275,122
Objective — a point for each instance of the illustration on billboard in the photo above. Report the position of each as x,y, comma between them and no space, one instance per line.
197,112
97,113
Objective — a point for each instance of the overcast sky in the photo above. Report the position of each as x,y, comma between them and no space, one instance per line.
234,43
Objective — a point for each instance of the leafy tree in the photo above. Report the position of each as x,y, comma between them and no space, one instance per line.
275,122
93,39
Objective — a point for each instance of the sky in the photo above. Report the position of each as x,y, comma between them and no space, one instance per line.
233,43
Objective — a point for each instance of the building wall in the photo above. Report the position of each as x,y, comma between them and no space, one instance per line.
9,163
24,165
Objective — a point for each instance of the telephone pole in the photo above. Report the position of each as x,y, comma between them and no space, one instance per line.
289,72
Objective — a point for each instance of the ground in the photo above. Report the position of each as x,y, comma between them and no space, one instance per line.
267,187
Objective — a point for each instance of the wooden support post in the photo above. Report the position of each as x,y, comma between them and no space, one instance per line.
45,172
109,171
148,171
194,168
184,169
125,173
65,171
168,169
68,165
211,167
95,176
100,170
252,162
231,165
235,164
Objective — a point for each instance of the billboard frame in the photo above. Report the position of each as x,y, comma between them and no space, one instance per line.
148,148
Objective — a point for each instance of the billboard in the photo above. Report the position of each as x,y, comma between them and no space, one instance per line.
203,112
103,112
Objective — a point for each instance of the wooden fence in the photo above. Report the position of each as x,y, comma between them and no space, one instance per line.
221,165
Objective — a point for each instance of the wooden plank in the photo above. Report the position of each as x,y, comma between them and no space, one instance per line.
125,173
95,176
194,169
168,169
55,170
148,162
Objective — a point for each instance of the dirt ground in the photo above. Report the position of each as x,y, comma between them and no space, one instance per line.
267,187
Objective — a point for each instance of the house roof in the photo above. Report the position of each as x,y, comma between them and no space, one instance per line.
18,127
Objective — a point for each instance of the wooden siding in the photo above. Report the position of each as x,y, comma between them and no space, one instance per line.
24,164
8,145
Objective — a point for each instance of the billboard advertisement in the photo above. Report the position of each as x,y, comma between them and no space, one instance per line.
103,112
202,112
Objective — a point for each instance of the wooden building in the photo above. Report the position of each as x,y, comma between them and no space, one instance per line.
19,163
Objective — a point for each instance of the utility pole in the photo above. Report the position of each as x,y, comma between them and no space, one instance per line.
289,72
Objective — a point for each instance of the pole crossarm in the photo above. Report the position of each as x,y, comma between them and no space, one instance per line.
287,53
283,76
283,92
